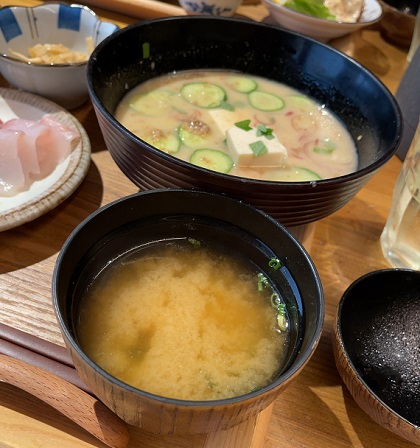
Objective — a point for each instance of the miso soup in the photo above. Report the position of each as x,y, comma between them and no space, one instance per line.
184,321
239,124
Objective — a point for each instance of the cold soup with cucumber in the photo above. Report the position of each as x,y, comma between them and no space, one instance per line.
239,124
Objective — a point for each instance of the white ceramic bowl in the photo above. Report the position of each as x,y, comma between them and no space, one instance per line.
53,23
321,29
222,8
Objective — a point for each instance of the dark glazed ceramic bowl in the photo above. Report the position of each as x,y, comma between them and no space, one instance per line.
170,214
357,97
398,20
377,348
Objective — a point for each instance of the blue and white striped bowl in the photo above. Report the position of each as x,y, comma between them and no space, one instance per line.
53,23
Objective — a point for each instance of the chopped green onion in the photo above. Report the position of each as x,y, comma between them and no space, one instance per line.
274,263
258,148
266,132
275,300
146,50
227,106
281,311
281,317
282,322
262,281
244,125
195,243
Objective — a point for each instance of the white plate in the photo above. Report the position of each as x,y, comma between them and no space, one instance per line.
45,194
320,29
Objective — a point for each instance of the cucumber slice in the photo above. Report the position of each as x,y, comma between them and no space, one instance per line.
167,143
212,159
301,103
265,101
152,104
242,84
294,174
194,134
299,100
203,94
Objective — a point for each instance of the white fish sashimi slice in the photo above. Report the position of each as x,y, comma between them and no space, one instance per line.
64,137
41,146
27,150
12,177
6,112
45,144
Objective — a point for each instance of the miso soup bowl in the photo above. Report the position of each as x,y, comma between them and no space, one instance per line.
165,215
152,48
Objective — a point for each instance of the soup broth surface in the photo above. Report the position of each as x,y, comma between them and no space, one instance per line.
186,114
183,322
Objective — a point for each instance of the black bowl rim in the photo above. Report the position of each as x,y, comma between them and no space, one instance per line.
284,377
345,296
359,173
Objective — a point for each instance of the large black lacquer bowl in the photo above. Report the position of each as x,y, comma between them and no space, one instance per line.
354,94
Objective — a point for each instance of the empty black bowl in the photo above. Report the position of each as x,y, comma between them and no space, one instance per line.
355,95
377,348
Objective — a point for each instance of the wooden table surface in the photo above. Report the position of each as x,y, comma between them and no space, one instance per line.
317,409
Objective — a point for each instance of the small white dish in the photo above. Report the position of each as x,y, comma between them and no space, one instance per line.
322,29
50,23
48,193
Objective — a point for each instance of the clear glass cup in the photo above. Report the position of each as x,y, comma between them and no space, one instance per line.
400,238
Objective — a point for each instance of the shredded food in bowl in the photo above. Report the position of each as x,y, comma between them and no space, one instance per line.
55,53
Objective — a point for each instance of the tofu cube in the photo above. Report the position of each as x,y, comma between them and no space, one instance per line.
239,142
224,119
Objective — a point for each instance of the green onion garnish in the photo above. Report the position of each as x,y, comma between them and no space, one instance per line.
146,50
281,317
195,243
281,311
266,132
226,106
258,148
244,125
262,281
274,263
275,299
